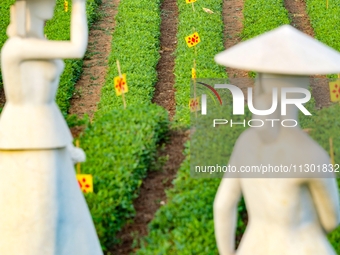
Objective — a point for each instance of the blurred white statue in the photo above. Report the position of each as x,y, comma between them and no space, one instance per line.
43,211
287,216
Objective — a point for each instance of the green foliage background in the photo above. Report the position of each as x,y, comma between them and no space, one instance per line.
136,45
326,25
120,147
184,226
120,143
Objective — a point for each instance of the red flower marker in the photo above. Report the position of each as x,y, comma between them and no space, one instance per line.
194,104
334,88
192,40
336,91
120,85
85,182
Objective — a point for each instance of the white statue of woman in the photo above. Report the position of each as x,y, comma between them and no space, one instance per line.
286,216
43,211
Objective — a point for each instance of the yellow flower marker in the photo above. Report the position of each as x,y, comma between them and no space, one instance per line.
194,104
194,76
193,73
66,6
191,2
334,90
85,181
192,40
331,151
121,84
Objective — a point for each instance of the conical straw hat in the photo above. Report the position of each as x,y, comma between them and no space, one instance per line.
284,50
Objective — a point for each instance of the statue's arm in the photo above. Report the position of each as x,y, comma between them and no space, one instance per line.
77,154
326,199
31,48
225,214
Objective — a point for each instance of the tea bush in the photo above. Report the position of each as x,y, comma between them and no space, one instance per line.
210,29
136,45
326,24
120,144
261,16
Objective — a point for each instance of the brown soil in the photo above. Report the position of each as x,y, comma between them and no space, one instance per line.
233,18
152,193
165,91
88,88
300,20
298,16
2,97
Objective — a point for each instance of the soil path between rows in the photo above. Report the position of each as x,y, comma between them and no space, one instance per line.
233,26
300,20
2,97
164,90
152,192
88,88
232,19
152,195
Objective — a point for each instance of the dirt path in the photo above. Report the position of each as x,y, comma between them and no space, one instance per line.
300,20
2,97
88,88
232,19
165,91
152,193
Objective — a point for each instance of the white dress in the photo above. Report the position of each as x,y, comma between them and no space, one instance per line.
42,210
284,213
